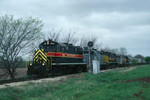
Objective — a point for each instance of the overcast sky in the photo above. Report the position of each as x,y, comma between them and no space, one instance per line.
116,23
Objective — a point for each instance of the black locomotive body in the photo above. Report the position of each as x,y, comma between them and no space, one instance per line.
57,58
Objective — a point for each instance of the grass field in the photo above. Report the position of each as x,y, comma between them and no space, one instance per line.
115,85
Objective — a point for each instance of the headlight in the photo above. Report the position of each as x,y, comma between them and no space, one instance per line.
43,64
30,64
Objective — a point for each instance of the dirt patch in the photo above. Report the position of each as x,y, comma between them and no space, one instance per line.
128,69
143,80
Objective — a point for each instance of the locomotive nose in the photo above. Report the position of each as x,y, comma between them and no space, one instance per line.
40,57
40,63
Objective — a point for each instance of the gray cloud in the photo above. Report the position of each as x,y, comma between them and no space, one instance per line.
118,23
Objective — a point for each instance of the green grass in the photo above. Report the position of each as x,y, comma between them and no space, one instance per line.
103,86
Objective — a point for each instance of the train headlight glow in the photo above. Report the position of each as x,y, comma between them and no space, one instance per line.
30,64
43,64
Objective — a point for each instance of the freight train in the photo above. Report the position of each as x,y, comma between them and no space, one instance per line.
54,58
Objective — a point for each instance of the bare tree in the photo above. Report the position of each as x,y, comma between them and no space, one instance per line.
16,37
93,39
107,49
123,51
54,35
70,37
129,55
116,51
98,46
84,41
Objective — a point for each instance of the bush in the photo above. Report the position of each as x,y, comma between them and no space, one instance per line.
147,59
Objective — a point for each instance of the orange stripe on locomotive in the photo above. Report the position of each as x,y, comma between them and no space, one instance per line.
59,54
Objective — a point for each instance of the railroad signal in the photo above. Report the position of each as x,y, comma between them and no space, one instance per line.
90,44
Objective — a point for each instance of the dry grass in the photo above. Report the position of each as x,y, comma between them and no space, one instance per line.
20,72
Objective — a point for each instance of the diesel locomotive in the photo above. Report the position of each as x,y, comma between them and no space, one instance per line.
56,58
53,58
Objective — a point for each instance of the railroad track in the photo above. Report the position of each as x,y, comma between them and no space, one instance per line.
18,80
3,82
